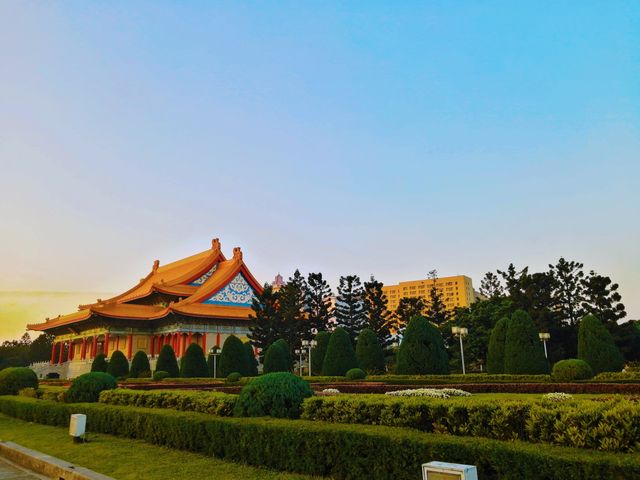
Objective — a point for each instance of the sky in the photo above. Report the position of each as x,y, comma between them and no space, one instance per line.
385,138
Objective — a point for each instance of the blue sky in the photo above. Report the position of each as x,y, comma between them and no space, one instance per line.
346,137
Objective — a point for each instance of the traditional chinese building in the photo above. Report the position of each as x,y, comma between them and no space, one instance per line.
200,299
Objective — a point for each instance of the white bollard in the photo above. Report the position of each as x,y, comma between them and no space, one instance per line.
77,426
448,471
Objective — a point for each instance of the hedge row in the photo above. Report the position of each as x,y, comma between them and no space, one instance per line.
339,451
441,379
214,403
611,425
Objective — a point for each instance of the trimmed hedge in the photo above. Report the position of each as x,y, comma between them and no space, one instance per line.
278,394
612,425
338,451
356,374
14,379
214,403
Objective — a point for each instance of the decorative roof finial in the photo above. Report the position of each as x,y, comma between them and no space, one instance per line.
215,244
156,264
237,253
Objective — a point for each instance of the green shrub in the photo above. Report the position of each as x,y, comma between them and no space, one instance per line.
234,377
13,379
193,363
160,375
523,351
87,387
571,370
53,394
167,361
356,374
277,394
422,350
276,359
139,365
286,348
336,451
318,352
99,363
369,352
340,357
251,362
495,353
596,346
28,392
233,357
118,365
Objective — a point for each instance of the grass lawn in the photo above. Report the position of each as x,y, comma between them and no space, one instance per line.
129,459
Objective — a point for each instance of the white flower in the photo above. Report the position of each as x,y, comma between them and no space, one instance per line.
430,392
331,391
557,397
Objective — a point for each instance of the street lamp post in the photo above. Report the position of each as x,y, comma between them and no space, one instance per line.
544,338
214,352
308,345
461,332
299,352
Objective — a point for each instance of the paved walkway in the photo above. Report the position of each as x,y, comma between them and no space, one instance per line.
9,471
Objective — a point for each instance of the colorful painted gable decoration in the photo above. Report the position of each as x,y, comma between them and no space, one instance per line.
238,292
204,277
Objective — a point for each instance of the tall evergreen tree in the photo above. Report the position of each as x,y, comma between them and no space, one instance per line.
140,365
349,311
193,363
233,357
523,351
252,363
495,354
167,361
378,316
340,356
318,302
265,325
408,307
422,350
118,365
318,352
490,286
596,346
568,290
601,298
369,352
292,307
436,309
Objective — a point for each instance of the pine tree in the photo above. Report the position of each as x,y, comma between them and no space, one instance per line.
490,286
523,351
276,359
252,363
422,350
596,346
436,309
265,324
118,365
167,362
193,363
292,307
601,298
233,357
495,354
408,307
140,365
340,357
378,316
318,302
349,311
99,363
319,351
369,352
568,290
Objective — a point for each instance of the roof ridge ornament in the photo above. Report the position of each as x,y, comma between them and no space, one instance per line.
215,244
237,253
156,264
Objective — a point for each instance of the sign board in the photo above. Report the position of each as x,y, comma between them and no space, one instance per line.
77,424
448,471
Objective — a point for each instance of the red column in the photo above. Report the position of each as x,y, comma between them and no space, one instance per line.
106,344
94,347
53,353
183,347
218,340
129,345
60,354
117,342
175,343
152,345
189,339
204,344
70,351
83,349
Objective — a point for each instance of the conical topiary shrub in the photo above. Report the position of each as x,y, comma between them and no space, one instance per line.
251,362
167,362
422,350
340,357
495,353
523,351
287,351
193,363
369,352
597,347
140,365
99,363
319,351
276,359
118,365
233,357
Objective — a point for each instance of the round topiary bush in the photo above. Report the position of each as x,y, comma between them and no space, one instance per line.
99,363
160,374
13,379
140,365
234,377
87,387
277,394
356,374
571,370
118,365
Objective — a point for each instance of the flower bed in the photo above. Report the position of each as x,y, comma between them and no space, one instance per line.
430,392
